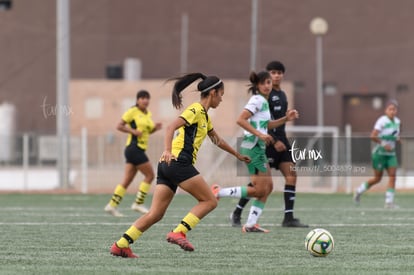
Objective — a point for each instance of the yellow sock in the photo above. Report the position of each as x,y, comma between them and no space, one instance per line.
188,223
117,196
144,188
130,236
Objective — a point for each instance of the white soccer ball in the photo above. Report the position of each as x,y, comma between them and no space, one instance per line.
319,242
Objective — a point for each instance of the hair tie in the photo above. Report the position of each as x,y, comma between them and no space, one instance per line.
212,86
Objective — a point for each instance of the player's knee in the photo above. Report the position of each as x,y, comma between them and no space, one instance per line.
270,188
262,191
291,180
212,204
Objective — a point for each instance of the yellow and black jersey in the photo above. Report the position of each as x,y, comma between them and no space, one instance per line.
137,119
190,136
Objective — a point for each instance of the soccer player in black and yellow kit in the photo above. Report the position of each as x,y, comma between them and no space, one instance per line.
138,124
176,166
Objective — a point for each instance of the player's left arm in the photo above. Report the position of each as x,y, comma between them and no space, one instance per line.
123,126
374,136
157,126
222,144
399,136
290,115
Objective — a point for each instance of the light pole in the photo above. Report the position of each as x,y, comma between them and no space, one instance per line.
184,43
62,89
253,38
319,27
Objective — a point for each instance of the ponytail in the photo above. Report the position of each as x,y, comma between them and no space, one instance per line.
255,79
205,86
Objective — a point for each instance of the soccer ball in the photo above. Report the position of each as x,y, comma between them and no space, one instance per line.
319,242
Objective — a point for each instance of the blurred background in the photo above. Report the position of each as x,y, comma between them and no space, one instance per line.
70,68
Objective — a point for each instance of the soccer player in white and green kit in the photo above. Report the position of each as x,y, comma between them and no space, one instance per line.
386,134
255,119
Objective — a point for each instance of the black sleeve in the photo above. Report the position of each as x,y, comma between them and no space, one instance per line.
278,105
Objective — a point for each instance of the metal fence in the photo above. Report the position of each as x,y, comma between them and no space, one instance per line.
28,162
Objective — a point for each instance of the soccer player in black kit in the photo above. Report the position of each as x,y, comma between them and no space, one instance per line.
278,154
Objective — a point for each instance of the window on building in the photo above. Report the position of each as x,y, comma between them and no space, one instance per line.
5,5
93,108
329,88
126,103
402,88
165,108
299,87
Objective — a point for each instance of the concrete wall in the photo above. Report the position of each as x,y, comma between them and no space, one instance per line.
108,100
367,50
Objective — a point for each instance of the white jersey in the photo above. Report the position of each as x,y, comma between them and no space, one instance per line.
259,107
388,132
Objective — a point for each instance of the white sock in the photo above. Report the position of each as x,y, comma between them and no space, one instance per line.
389,196
362,188
254,215
234,192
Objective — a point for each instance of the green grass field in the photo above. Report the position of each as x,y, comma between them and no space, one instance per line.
70,234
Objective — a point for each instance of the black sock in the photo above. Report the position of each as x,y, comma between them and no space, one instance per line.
242,203
289,196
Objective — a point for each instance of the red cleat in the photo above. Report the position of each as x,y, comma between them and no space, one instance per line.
215,188
181,240
122,252
255,229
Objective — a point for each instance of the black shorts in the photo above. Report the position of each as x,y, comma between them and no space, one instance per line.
135,155
175,173
275,158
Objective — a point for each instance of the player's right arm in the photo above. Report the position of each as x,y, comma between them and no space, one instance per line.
222,144
167,155
123,127
243,121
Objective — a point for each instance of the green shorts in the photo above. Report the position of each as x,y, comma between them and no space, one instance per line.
381,162
258,159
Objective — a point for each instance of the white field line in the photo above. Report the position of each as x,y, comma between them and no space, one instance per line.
131,216
217,210
219,214
202,224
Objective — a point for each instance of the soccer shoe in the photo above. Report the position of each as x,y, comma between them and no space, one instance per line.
122,252
357,197
139,208
235,220
113,211
293,223
215,188
254,229
391,205
180,239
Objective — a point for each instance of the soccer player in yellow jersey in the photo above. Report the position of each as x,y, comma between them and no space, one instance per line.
138,124
176,165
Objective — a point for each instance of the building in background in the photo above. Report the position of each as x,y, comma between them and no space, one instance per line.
366,59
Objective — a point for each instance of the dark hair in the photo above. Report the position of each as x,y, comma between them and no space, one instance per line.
255,79
143,93
275,66
392,102
207,84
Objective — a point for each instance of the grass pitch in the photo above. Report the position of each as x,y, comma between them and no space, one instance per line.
71,234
